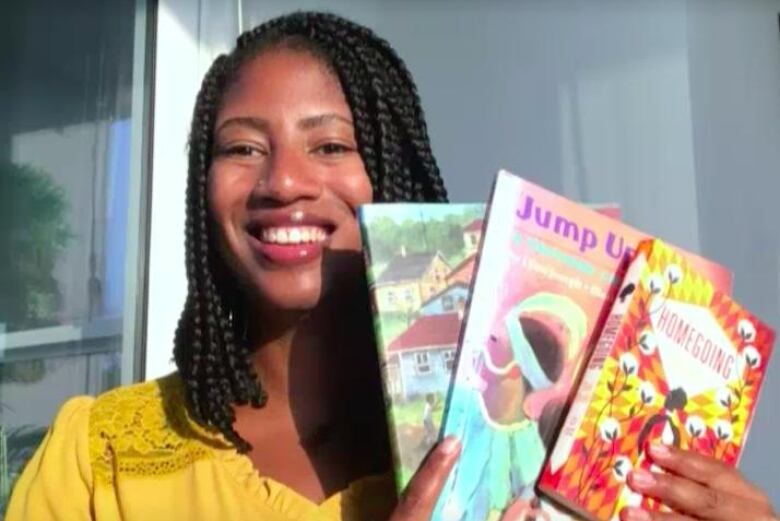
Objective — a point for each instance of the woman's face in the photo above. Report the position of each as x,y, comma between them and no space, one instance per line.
286,179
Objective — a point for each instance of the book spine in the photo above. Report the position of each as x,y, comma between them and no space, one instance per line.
381,349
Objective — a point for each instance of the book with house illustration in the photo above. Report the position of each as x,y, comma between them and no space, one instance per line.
545,271
420,259
677,363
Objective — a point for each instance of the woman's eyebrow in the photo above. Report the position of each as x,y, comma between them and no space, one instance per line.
258,124
311,122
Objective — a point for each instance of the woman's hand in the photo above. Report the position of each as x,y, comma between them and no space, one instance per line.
421,494
697,488
419,498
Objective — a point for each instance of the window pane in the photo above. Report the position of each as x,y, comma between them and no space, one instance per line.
68,184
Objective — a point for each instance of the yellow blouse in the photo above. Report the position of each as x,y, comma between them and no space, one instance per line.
133,454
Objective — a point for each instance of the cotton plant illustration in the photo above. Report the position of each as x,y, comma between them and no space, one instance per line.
602,452
647,343
629,397
660,285
718,437
621,468
633,407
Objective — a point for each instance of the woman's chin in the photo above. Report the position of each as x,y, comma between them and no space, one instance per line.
291,301
302,290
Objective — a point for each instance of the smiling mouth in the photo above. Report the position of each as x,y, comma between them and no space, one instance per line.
292,234
289,244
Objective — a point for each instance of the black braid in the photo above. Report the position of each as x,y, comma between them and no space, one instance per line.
212,357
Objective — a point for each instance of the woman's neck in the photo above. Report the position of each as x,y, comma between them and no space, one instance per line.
313,362
324,404
298,365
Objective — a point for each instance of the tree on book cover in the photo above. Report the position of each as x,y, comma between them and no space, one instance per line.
546,268
678,362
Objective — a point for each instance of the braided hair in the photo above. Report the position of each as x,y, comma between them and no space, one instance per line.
212,358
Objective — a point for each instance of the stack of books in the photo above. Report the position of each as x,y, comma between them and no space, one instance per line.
556,342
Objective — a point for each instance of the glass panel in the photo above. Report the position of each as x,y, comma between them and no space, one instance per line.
68,182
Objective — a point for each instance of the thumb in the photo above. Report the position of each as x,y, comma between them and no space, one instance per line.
419,498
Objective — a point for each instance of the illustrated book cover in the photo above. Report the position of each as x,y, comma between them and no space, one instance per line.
544,273
678,362
420,260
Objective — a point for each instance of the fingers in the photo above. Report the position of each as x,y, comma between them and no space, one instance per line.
637,514
517,511
696,487
705,470
420,496
689,497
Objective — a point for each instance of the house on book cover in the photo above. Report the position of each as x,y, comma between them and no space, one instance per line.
409,279
420,360
463,272
450,299
472,233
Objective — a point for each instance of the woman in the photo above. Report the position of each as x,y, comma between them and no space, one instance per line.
275,412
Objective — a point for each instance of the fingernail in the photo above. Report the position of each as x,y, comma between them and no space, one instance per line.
660,451
642,479
450,445
636,514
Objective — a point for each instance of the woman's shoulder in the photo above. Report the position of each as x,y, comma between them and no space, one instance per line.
112,412
153,405
144,429
140,402
131,431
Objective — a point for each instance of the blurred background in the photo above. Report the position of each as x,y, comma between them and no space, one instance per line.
669,108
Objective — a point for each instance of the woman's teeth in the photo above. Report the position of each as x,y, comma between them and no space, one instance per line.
293,235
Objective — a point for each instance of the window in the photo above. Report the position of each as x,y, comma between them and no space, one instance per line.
394,377
408,296
447,303
449,359
72,152
421,363
390,297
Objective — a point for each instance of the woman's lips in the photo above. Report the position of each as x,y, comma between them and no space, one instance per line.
293,235
289,245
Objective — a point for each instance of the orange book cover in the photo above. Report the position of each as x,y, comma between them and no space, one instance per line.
677,362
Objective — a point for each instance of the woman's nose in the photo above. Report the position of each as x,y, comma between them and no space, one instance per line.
289,177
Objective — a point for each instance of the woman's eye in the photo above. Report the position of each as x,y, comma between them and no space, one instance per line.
241,150
333,148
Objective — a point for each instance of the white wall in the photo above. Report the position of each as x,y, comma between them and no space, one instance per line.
188,40
734,55
588,98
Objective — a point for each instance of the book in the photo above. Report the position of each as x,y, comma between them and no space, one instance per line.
420,259
678,362
545,270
